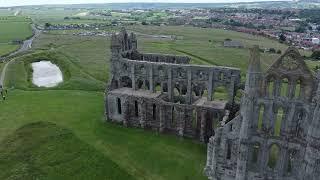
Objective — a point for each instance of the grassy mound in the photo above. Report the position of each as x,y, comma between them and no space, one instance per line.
19,73
46,151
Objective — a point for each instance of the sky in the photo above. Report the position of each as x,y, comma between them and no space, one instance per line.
6,3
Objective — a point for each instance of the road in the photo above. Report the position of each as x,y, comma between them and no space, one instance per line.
27,44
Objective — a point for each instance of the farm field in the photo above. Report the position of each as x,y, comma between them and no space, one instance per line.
13,28
95,50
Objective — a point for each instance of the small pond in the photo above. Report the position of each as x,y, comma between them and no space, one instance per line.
46,74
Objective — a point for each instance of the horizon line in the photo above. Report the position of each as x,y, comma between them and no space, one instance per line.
142,2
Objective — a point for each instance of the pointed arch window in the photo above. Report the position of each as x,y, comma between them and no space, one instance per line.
270,87
284,87
279,118
273,156
297,92
260,116
255,153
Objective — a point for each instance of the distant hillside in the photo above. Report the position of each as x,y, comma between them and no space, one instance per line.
310,1
302,4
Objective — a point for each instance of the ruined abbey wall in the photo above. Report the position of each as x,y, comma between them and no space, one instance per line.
276,135
165,92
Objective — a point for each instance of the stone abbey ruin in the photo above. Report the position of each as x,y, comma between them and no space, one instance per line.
273,133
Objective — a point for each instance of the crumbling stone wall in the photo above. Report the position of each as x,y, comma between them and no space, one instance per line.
166,93
277,133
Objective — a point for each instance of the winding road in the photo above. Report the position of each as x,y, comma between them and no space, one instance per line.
27,44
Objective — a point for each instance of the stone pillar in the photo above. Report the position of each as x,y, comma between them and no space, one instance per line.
231,89
181,122
133,78
126,114
210,169
162,118
203,125
170,93
210,86
151,84
277,87
189,87
142,113
264,154
281,164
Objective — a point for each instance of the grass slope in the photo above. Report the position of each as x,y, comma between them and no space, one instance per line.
143,154
46,151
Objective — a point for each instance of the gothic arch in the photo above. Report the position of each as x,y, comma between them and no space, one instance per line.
274,154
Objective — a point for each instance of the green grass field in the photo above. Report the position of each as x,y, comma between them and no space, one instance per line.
44,150
143,154
75,108
13,28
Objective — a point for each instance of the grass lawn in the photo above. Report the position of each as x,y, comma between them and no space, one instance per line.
143,154
44,150
6,48
13,28
75,108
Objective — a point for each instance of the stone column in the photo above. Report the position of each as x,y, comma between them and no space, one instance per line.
189,87
277,87
126,114
170,93
133,78
264,154
231,89
210,169
151,85
202,125
210,86
281,164
162,118
142,113
181,122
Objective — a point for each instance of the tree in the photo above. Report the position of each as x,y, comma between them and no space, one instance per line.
272,50
316,54
279,51
47,25
282,38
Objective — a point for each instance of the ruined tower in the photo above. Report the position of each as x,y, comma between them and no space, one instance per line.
276,135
